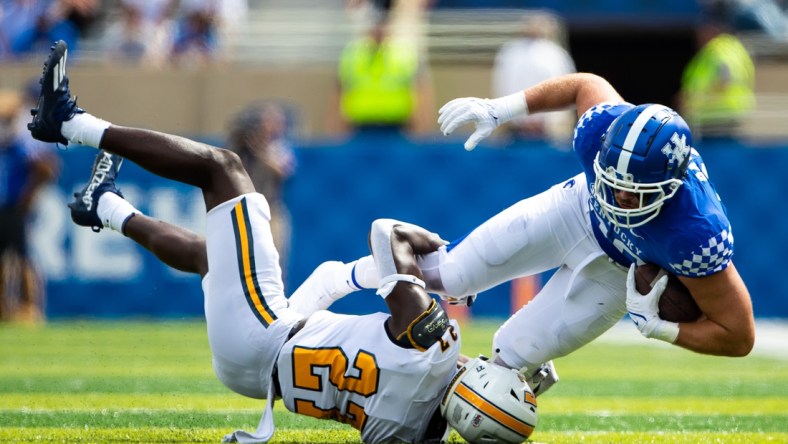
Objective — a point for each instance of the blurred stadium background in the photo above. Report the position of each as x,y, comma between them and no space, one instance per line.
288,50
120,378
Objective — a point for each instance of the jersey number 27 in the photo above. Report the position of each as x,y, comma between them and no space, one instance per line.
307,360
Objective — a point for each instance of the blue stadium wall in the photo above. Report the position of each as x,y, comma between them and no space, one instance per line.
340,188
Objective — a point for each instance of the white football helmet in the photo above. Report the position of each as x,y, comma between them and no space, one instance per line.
488,403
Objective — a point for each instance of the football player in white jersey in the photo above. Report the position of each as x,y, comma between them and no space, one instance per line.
644,196
391,376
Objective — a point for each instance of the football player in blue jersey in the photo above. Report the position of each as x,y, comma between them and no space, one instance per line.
396,377
644,196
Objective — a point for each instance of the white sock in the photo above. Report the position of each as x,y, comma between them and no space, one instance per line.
322,288
85,129
331,281
114,211
363,273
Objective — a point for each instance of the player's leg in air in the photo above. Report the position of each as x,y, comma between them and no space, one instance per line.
333,280
101,205
238,249
246,310
57,118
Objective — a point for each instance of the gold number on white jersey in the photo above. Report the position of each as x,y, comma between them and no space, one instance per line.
307,360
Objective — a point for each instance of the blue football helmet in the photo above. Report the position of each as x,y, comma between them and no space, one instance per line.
645,151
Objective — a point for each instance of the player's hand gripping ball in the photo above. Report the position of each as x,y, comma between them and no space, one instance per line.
676,303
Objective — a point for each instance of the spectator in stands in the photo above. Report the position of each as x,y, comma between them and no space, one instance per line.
21,21
156,12
259,135
31,26
206,29
196,33
26,165
717,86
769,17
233,15
16,17
140,34
383,81
535,55
83,14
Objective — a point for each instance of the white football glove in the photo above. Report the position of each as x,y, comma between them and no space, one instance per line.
486,114
644,310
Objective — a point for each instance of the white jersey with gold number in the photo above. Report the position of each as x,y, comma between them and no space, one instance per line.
347,368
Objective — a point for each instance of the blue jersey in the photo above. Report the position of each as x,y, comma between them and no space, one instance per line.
15,160
691,236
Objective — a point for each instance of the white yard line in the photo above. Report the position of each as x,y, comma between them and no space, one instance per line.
771,337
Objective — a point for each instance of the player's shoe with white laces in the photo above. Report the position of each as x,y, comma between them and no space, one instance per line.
55,104
102,180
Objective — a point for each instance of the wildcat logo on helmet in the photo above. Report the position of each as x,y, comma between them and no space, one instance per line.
676,149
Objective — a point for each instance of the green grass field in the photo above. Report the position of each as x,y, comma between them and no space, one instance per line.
152,382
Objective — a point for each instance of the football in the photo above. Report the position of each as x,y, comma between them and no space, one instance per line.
676,303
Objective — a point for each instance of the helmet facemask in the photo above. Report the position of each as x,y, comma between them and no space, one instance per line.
644,152
651,196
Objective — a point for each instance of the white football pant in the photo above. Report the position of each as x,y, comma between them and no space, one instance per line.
245,307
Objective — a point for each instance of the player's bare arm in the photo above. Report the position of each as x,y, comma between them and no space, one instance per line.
407,301
582,90
727,327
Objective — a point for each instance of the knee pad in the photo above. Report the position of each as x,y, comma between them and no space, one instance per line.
425,330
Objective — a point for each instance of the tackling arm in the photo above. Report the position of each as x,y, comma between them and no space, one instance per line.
415,316
727,327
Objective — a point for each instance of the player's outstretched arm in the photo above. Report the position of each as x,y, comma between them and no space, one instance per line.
728,326
175,246
581,90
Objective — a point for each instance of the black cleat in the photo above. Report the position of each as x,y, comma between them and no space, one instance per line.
102,180
55,104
